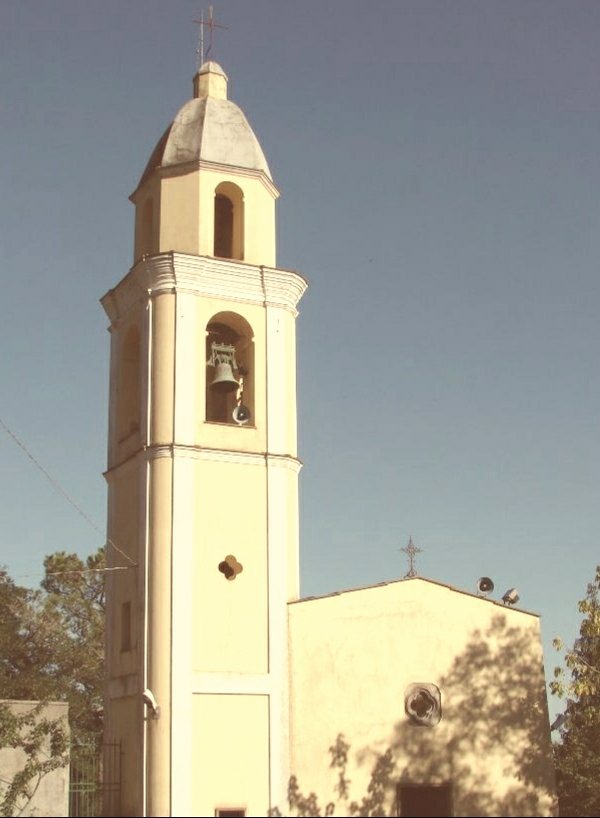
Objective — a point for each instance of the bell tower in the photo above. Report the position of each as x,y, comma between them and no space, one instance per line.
202,476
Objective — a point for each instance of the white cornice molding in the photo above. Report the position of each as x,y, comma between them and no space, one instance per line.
201,164
283,288
284,461
118,301
207,277
201,453
222,455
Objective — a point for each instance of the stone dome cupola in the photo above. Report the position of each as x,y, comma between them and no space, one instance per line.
207,167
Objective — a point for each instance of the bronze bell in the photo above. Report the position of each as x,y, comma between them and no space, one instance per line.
224,382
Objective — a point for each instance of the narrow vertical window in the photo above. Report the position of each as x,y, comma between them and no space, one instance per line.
129,387
223,226
144,228
148,226
229,222
125,627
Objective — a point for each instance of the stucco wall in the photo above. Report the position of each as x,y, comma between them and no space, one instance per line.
51,792
190,494
355,654
230,769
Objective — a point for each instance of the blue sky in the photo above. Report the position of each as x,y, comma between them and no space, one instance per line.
438,164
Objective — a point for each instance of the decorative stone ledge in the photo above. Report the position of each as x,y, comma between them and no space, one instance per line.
202,453
205,276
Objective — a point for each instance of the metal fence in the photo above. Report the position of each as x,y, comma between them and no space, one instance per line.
95,780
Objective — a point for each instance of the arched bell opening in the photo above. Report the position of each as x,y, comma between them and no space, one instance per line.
129,386
229,370
229,222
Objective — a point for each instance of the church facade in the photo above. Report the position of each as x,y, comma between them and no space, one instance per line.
222,684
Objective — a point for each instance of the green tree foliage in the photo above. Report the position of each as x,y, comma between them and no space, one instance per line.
74,604
51,649
52,640
16,628
44,744
577,755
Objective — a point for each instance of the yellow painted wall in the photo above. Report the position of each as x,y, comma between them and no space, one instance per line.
292,513
204,487
230,616
216,435
159,630
123,710
126,729
259,216
233,761
183,214
147,240
192,316
353,656
179,213
163,368
203,490
289,331
281,374
124,443
124,584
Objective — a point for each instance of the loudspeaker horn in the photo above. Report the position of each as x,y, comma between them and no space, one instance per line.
485,586
241,414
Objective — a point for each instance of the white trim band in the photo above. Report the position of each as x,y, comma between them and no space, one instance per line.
201,453
207,277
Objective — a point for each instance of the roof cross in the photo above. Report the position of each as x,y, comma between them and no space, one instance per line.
411,550
210,24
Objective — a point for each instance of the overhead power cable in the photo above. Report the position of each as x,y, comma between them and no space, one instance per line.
56,485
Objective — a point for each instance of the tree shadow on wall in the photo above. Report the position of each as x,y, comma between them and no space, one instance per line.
495,707
491,745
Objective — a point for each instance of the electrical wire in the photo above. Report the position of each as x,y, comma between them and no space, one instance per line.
57,487
89,571
19,577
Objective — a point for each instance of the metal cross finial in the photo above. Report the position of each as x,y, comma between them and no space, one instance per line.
411,549
210,25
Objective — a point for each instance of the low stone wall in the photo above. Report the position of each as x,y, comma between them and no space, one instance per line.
49,791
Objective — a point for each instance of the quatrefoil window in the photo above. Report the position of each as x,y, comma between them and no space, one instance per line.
423,704
230,567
